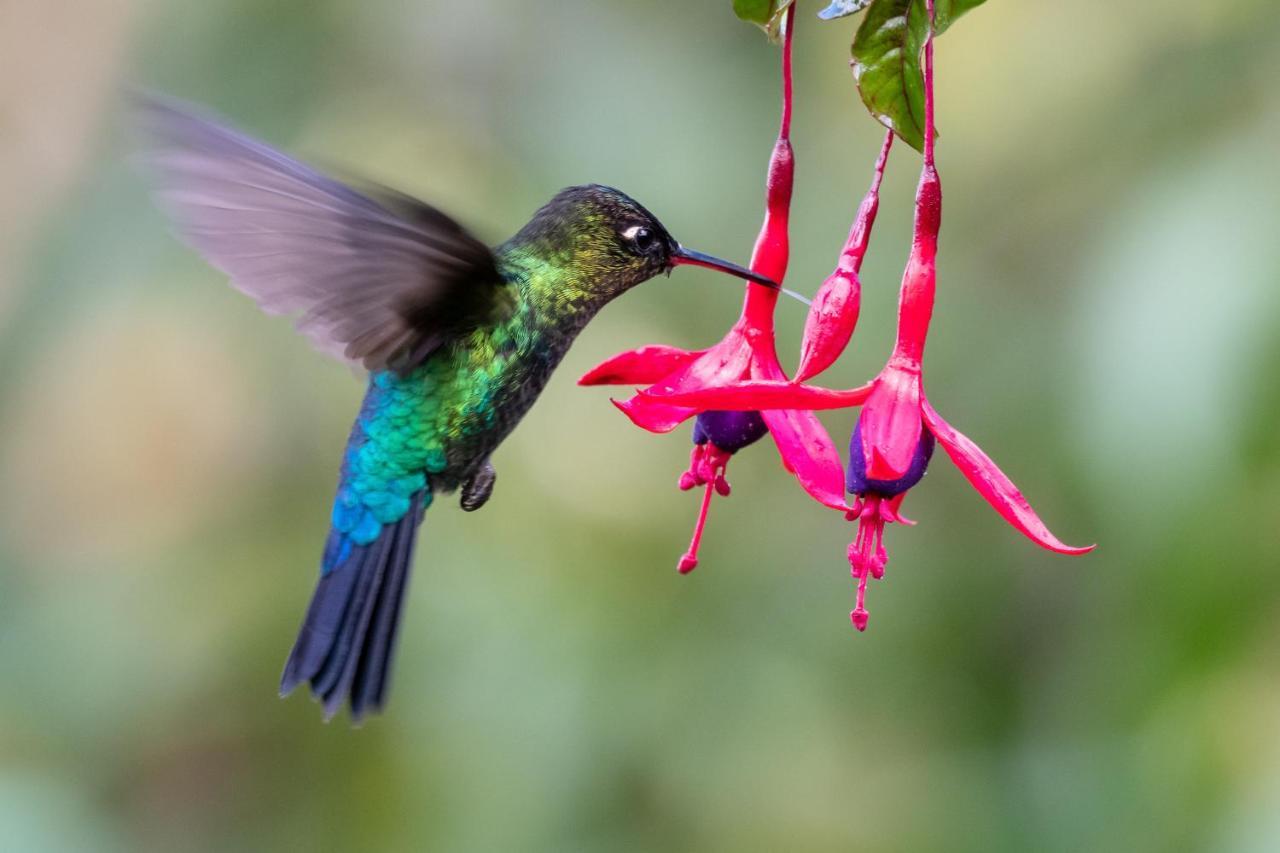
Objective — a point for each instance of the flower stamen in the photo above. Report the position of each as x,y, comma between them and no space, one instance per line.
867,554
707,465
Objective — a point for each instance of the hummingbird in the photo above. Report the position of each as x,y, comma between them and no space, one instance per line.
458,340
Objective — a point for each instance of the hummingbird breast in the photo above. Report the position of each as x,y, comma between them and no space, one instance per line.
446,417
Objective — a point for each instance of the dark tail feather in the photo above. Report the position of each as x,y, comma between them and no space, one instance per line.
347,641
373,675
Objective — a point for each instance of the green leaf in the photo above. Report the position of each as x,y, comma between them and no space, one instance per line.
842,8
754,11
767,14
886,60
947,11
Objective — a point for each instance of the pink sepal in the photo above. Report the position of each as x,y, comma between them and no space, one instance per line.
642,366
997,489
651,415
763,395
891,423
724,362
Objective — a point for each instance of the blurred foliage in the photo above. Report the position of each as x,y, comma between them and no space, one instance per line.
1107,327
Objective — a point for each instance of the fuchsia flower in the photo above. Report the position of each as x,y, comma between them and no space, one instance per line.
894,437
745,353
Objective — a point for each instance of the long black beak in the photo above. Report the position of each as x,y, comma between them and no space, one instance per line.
697,259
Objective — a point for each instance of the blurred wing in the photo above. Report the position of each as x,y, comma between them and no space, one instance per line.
383,282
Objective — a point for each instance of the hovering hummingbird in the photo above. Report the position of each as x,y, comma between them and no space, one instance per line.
458,339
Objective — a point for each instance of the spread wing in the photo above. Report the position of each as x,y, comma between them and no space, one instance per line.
377,278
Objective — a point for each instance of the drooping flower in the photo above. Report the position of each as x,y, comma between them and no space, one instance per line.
894,436
746,352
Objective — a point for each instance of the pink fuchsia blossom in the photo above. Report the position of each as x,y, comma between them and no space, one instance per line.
746,352
894,437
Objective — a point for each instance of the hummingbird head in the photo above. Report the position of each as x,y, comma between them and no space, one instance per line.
613,241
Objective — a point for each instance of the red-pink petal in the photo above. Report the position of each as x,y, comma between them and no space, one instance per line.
642,366
997,489
891,423
831,321
764,394
808,452
647,413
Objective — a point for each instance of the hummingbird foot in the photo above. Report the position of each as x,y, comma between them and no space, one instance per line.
477,489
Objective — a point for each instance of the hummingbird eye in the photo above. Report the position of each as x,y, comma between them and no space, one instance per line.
642,240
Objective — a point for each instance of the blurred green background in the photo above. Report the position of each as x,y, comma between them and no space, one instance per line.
1108,328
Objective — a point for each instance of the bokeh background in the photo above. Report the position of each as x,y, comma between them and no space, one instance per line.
1108,328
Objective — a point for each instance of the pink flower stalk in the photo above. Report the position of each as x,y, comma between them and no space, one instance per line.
896,431
746,352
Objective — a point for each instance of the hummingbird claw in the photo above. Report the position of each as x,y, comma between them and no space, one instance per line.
477,489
